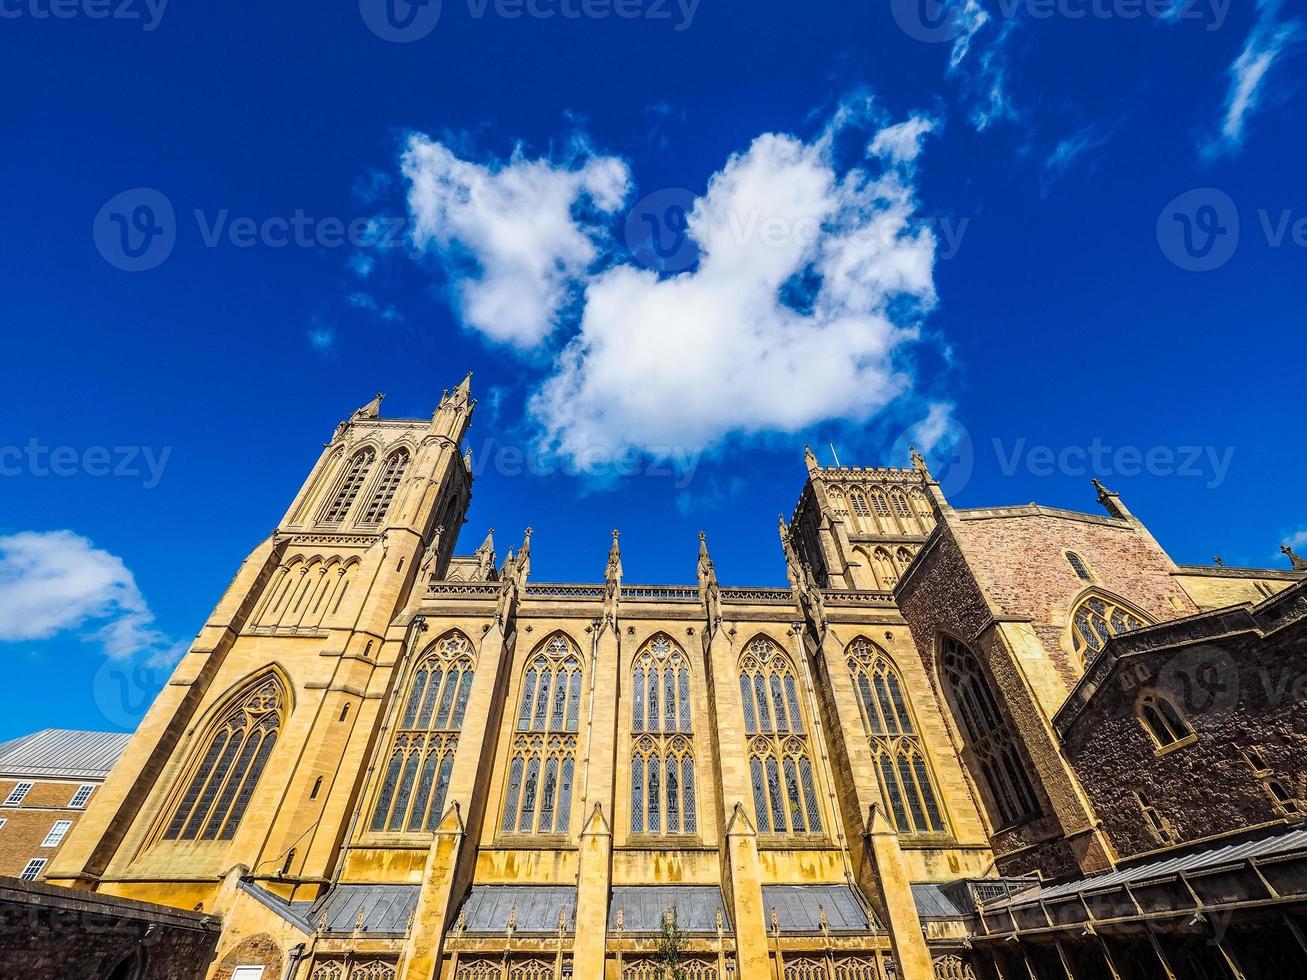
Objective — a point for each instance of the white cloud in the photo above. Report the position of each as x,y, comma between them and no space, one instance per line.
1298,539
515,238
935,428
1266,42
57,581
811,277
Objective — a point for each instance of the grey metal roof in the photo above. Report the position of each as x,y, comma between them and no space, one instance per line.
934,903
1151,870
384,908
643,907
798,907
488,907
56,752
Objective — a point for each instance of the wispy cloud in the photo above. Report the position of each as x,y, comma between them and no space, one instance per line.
979,59
321,337
369,304
54,582
1248,75
1067,152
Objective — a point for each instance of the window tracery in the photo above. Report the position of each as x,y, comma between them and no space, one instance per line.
898,756
392,474
421,761
350,486
1096,620
662,750
780,769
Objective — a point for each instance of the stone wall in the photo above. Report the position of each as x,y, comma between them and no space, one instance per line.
49,933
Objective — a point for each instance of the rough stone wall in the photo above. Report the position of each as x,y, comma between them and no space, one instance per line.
1233,695
1021,563
55,934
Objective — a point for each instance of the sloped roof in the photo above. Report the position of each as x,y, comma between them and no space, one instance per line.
56,752
534,908
643,907
369,908
799,907
1230,854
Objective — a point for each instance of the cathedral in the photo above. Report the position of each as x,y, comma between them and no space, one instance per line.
1002,742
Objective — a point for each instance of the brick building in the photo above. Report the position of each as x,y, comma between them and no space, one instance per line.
384,759
46,781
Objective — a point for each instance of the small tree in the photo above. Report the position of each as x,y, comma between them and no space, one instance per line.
671,947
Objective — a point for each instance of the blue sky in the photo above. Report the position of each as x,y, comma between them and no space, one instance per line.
1061,238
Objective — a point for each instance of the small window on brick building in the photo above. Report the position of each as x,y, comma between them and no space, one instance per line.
1255,759
18,794
82,795
1162,720
317,785
33,869
3,821
1078,564
1283,798
57,833
1158,826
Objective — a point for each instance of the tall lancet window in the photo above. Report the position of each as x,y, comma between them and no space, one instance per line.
392,473
542,765
907,786
347,491
416,778
235,754
989,739
662,747
780,762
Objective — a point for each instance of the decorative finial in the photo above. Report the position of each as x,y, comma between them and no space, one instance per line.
918,463
1103,492
1220,562
1299,564
810,458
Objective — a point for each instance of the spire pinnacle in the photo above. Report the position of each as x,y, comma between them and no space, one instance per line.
810,458
372,409
614,570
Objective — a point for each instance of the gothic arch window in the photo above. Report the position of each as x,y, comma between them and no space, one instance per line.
919,503
1097,618
886,575
662,756
989,740
878,504
907,785
351,483
900,503
416,778
236,750
392,473
858,503
904,557
780,766
1163,720
1078,566
538,794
